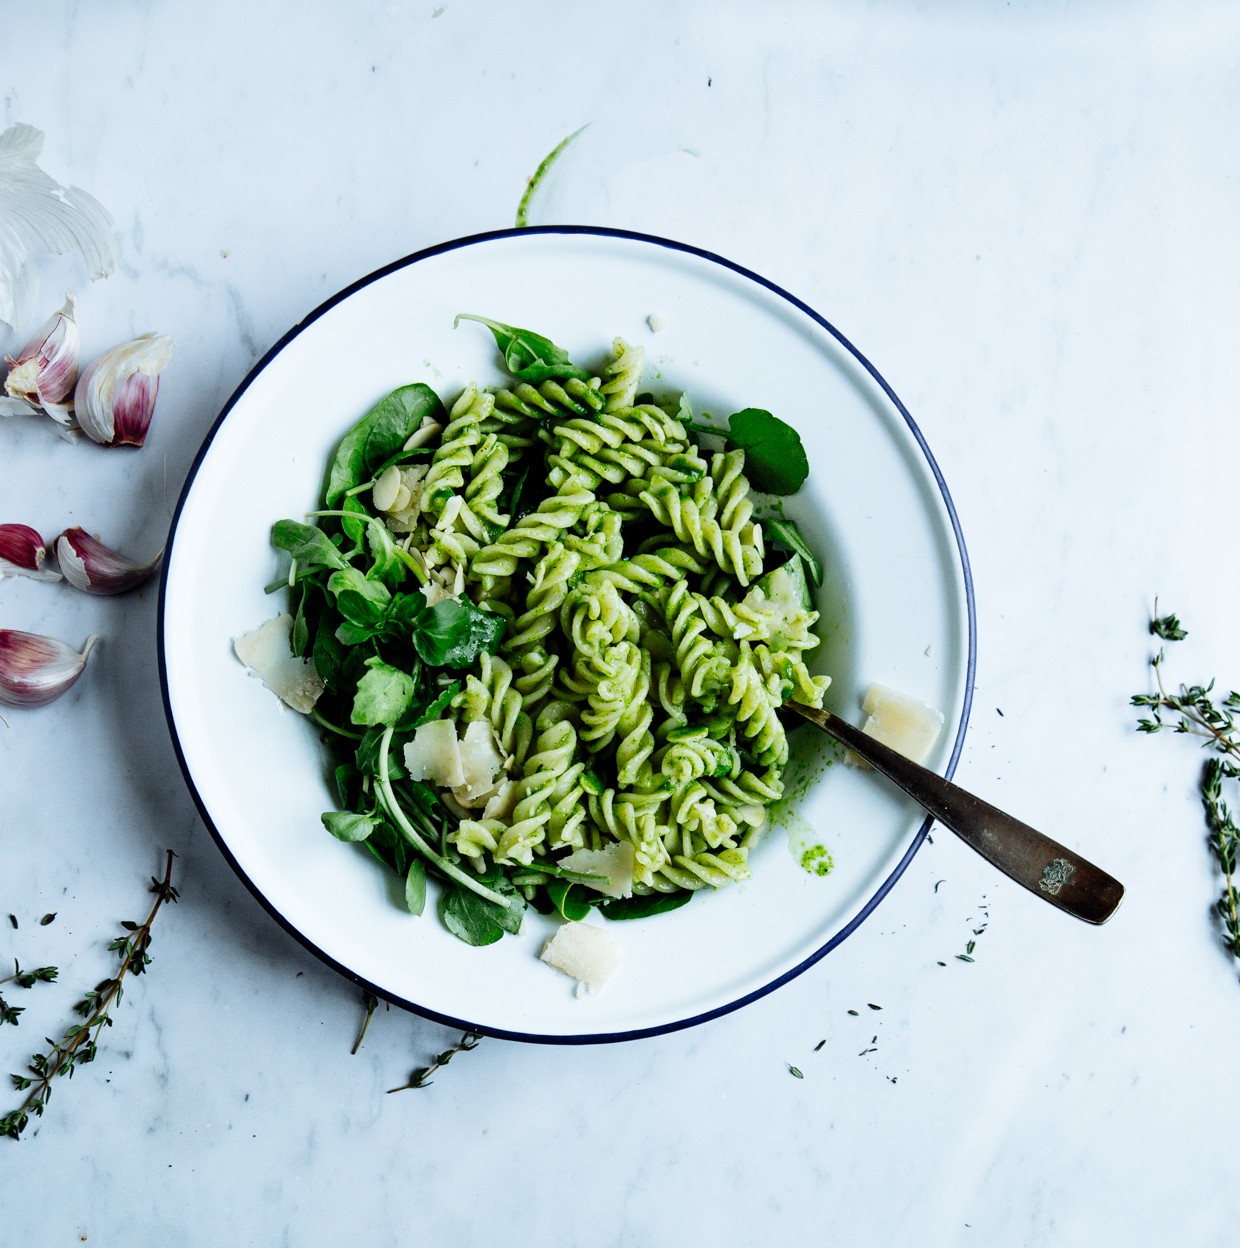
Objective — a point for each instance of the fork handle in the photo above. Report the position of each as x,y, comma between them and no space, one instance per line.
1046,868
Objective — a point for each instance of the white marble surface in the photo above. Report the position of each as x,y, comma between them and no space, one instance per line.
1026,218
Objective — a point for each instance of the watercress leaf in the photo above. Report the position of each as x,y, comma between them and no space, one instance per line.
454,634
344,825
569,899
367,753
299,639
348,784
440,704
383,694
775,460
359,599
415,887
528,355
644,907
354,634
310,546
388,565
684,410
469,917
786,533
378,436
328,653
508,917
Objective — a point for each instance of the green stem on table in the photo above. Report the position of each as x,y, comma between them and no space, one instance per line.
523,207
398,816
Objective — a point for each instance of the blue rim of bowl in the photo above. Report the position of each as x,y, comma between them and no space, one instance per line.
883,889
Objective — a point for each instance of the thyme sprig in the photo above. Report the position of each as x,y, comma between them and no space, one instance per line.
1197,713
24,979
80,1042
419,1079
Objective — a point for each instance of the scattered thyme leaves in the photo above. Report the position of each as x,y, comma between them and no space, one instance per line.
1197,713
13,920
970,946
80,1042
964,957
854,1013
819,1045
942,964
370,1002
418,1079
873,1006
792,1070
47,918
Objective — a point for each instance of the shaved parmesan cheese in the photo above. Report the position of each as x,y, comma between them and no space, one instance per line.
501,802
435,755
904,724
615,862
267,653
481,762
583,951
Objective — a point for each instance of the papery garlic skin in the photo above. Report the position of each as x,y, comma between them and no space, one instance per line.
22,553
46,369
36,670
115,395
92,567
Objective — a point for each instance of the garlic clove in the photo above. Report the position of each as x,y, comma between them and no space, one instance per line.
115,396
36,670
22,553
46,369
90,566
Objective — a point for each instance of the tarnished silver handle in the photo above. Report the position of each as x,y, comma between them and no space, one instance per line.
1046,868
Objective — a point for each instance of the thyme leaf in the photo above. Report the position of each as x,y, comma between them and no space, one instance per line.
419,1078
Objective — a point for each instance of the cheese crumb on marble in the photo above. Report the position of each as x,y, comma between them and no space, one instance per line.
656,322
266,652
434,754
584,952
615,862
901,722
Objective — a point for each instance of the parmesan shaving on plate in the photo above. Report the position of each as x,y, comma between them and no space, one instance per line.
900,722
585,952
266,652
615,862
434,754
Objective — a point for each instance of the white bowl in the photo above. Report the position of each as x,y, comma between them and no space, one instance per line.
896,607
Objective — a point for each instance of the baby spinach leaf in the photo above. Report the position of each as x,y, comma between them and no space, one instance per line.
454,634
383,694
528,355
388,565
378,436
644,907
415,887
572,905
775,460
346,826
786,533
361,601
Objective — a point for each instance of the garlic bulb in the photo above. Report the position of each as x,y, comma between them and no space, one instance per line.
46,368
115,396
22,553
36,670
90,566
41,217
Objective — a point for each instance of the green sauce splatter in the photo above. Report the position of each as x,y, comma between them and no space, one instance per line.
817,861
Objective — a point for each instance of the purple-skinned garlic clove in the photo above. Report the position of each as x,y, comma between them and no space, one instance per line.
92,567
36,670
115,396
45,370
22,553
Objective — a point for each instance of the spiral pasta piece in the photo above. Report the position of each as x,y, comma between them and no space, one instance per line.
703,666
526,539
756,701
454,453
623,375
552,757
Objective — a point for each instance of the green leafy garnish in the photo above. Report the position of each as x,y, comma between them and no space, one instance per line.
786,533
415,887
476,920
346,826
311,547
775,460
454,634
569,899
644,907
539,174
380,435
528,355
383,695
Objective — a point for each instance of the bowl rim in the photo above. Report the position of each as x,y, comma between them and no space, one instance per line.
971,666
